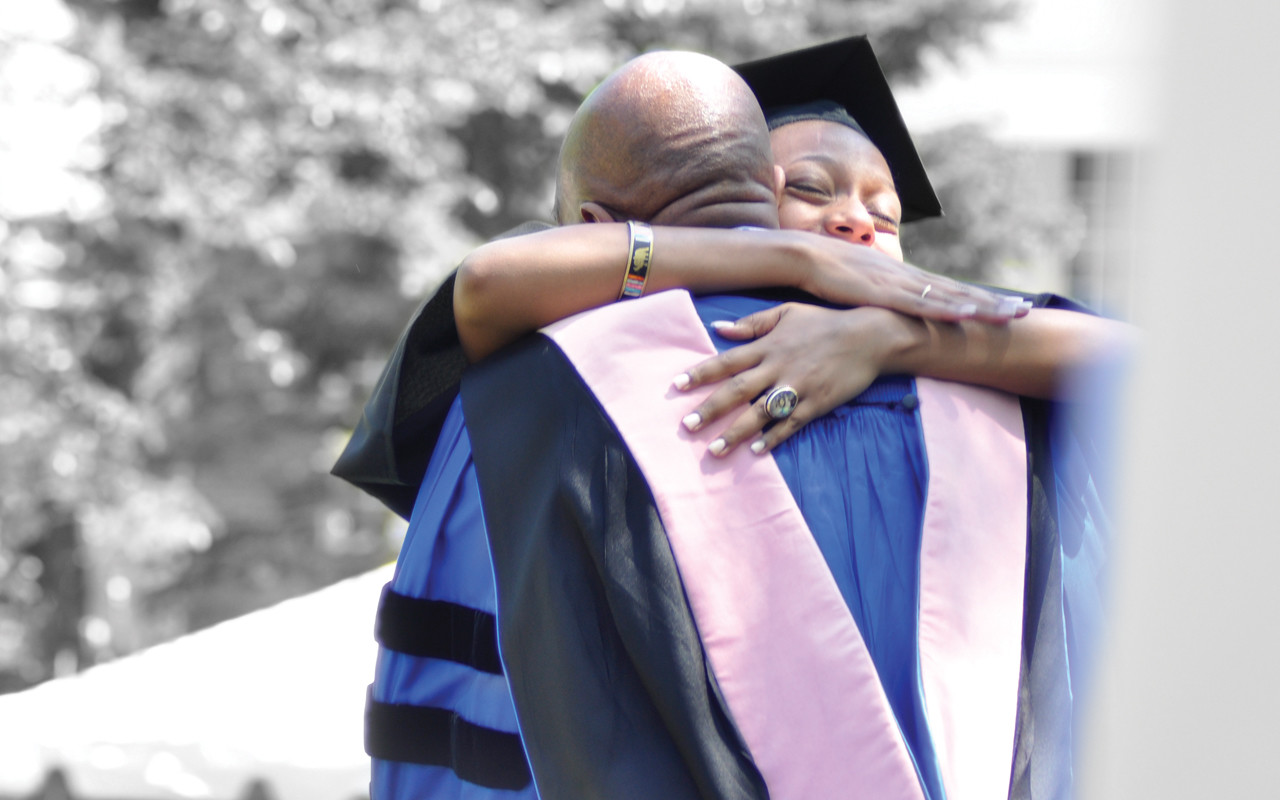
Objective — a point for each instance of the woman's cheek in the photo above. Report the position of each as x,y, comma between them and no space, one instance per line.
797,216
886,243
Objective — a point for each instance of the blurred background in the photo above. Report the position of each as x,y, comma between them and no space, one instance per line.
217,215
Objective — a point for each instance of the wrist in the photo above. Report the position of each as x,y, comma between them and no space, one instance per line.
906,343
807,259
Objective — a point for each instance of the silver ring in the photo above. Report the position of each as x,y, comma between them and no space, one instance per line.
780,402
925,293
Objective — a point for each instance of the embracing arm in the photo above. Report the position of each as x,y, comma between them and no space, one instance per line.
830,356
509,287
1039,355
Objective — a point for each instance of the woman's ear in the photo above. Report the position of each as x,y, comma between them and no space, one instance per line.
594,212
779,182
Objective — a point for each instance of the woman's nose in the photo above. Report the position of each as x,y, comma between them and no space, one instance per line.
851,221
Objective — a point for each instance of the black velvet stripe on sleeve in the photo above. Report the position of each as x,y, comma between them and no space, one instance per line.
438,629
440,737
606,669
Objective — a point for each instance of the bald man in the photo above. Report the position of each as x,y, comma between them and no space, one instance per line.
676,138
727,179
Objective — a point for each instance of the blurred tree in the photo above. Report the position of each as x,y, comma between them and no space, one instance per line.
280,180
989,229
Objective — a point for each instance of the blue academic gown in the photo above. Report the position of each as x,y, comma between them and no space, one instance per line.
872,444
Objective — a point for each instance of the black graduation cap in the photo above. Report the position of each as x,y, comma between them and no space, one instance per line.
847,72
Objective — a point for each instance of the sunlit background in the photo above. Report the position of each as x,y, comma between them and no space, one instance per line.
215,217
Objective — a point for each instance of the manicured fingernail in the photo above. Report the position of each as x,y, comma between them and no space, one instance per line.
968,310
1009,306
1027,305
757,446
717,447
721,324
692,422
681,381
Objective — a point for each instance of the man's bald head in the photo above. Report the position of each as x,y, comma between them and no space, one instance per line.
671,138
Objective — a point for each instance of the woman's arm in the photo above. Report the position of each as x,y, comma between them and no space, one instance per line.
1041,355
511,286
830,356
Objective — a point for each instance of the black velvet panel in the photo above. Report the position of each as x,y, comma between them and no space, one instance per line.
605,665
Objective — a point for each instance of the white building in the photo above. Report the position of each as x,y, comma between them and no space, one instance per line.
1068,84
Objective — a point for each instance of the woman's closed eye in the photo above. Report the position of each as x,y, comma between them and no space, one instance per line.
808,189
885,223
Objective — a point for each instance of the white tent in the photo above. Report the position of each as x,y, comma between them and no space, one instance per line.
276,695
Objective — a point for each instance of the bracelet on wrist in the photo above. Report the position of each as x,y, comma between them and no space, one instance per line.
639,254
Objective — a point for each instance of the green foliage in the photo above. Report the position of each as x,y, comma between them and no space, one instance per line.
282,178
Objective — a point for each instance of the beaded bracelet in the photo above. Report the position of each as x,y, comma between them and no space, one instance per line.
639,254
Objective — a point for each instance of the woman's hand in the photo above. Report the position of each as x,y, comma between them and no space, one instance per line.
855,275
828,356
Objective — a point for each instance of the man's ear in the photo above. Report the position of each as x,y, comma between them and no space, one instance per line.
779,182
594,212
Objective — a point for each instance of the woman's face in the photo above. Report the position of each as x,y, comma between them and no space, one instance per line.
837,184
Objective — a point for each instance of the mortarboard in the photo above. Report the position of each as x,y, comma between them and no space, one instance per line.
847,72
